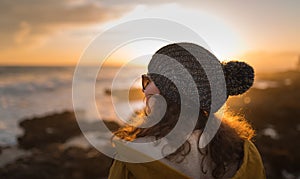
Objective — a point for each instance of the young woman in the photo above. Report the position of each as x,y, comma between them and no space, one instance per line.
230,153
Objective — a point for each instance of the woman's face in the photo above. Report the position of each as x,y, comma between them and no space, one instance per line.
150,90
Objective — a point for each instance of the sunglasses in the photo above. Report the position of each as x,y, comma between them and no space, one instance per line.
145,81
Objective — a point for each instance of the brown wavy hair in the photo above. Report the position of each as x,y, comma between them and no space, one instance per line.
224,149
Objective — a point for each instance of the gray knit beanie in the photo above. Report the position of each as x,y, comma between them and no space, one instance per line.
239,76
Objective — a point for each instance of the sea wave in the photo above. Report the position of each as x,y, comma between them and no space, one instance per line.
33,86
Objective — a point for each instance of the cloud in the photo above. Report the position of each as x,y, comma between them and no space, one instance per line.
24,22
23,32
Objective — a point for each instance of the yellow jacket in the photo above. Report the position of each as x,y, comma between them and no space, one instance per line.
251,168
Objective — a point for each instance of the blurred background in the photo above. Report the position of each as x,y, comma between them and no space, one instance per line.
42,41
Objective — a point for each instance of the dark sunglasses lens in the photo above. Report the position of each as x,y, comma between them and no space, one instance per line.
145,81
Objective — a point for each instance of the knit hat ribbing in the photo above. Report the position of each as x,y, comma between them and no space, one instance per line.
239,76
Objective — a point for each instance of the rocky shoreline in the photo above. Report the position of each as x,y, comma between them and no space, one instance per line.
47,155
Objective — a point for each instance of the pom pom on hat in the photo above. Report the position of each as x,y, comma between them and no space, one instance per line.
239,77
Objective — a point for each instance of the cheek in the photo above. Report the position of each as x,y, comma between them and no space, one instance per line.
152,89
156,90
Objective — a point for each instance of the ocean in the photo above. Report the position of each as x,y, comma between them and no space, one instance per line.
27,92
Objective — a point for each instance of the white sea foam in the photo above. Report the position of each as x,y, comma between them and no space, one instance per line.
26,92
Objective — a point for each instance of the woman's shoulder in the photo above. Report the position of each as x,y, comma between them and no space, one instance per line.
252,166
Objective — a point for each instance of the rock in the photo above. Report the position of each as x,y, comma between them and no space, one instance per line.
56,162
44,139
56,128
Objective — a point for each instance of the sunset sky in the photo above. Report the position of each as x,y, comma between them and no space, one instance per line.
56,32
